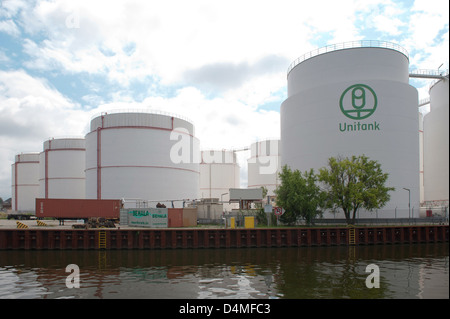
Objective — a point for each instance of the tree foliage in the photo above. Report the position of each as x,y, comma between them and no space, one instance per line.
299,195
261,216
354,183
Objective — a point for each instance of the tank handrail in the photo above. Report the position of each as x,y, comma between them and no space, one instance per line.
65,137
348,45
434,82
241,148
424,101
142,111
428,72
27,153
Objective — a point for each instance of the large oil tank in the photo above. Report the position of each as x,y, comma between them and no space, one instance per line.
264,165
421,186
219,171
353,99
142,156
25,182
61,168
436,145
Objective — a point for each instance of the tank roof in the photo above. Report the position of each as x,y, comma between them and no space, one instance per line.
142,111
348,45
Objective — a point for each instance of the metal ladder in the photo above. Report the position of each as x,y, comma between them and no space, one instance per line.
351,235
102,239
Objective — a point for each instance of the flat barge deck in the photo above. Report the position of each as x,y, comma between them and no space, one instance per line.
193,238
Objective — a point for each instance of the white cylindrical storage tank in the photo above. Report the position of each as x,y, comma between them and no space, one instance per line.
355,99
61,168
264,165
421,186
436,145
25,182
142,156
219,171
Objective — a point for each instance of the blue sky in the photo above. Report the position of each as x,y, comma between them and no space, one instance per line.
221,64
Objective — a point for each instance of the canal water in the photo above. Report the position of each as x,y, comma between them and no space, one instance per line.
405,272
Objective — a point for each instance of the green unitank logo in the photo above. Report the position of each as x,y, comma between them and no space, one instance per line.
358,102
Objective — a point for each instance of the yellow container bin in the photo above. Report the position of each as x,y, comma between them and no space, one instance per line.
232,222
249,222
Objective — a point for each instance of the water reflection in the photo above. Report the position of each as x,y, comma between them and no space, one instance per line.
406,271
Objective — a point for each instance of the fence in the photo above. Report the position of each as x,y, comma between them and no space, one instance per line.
384,221
348,45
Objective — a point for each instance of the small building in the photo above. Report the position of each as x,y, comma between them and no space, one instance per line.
210,210
246,196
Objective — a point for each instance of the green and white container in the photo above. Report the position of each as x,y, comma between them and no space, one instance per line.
148,217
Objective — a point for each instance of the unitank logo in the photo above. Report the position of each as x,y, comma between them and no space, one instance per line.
358,102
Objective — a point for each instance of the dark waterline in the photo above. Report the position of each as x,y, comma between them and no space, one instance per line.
406,272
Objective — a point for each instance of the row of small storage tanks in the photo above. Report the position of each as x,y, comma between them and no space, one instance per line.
133,156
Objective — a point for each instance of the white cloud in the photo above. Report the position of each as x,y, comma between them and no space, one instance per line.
171,37
31,112
426,21
9,27
4,58
388,24
221,122
9,8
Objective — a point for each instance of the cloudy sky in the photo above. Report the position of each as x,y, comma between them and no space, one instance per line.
221,64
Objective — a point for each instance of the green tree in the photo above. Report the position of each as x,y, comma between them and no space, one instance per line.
299,195
264,192
261,216
354,183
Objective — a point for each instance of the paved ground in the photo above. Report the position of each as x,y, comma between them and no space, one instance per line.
51,224
12,224
54,224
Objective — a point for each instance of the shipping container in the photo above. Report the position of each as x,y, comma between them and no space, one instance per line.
175,217
189,217
78,208
148,217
